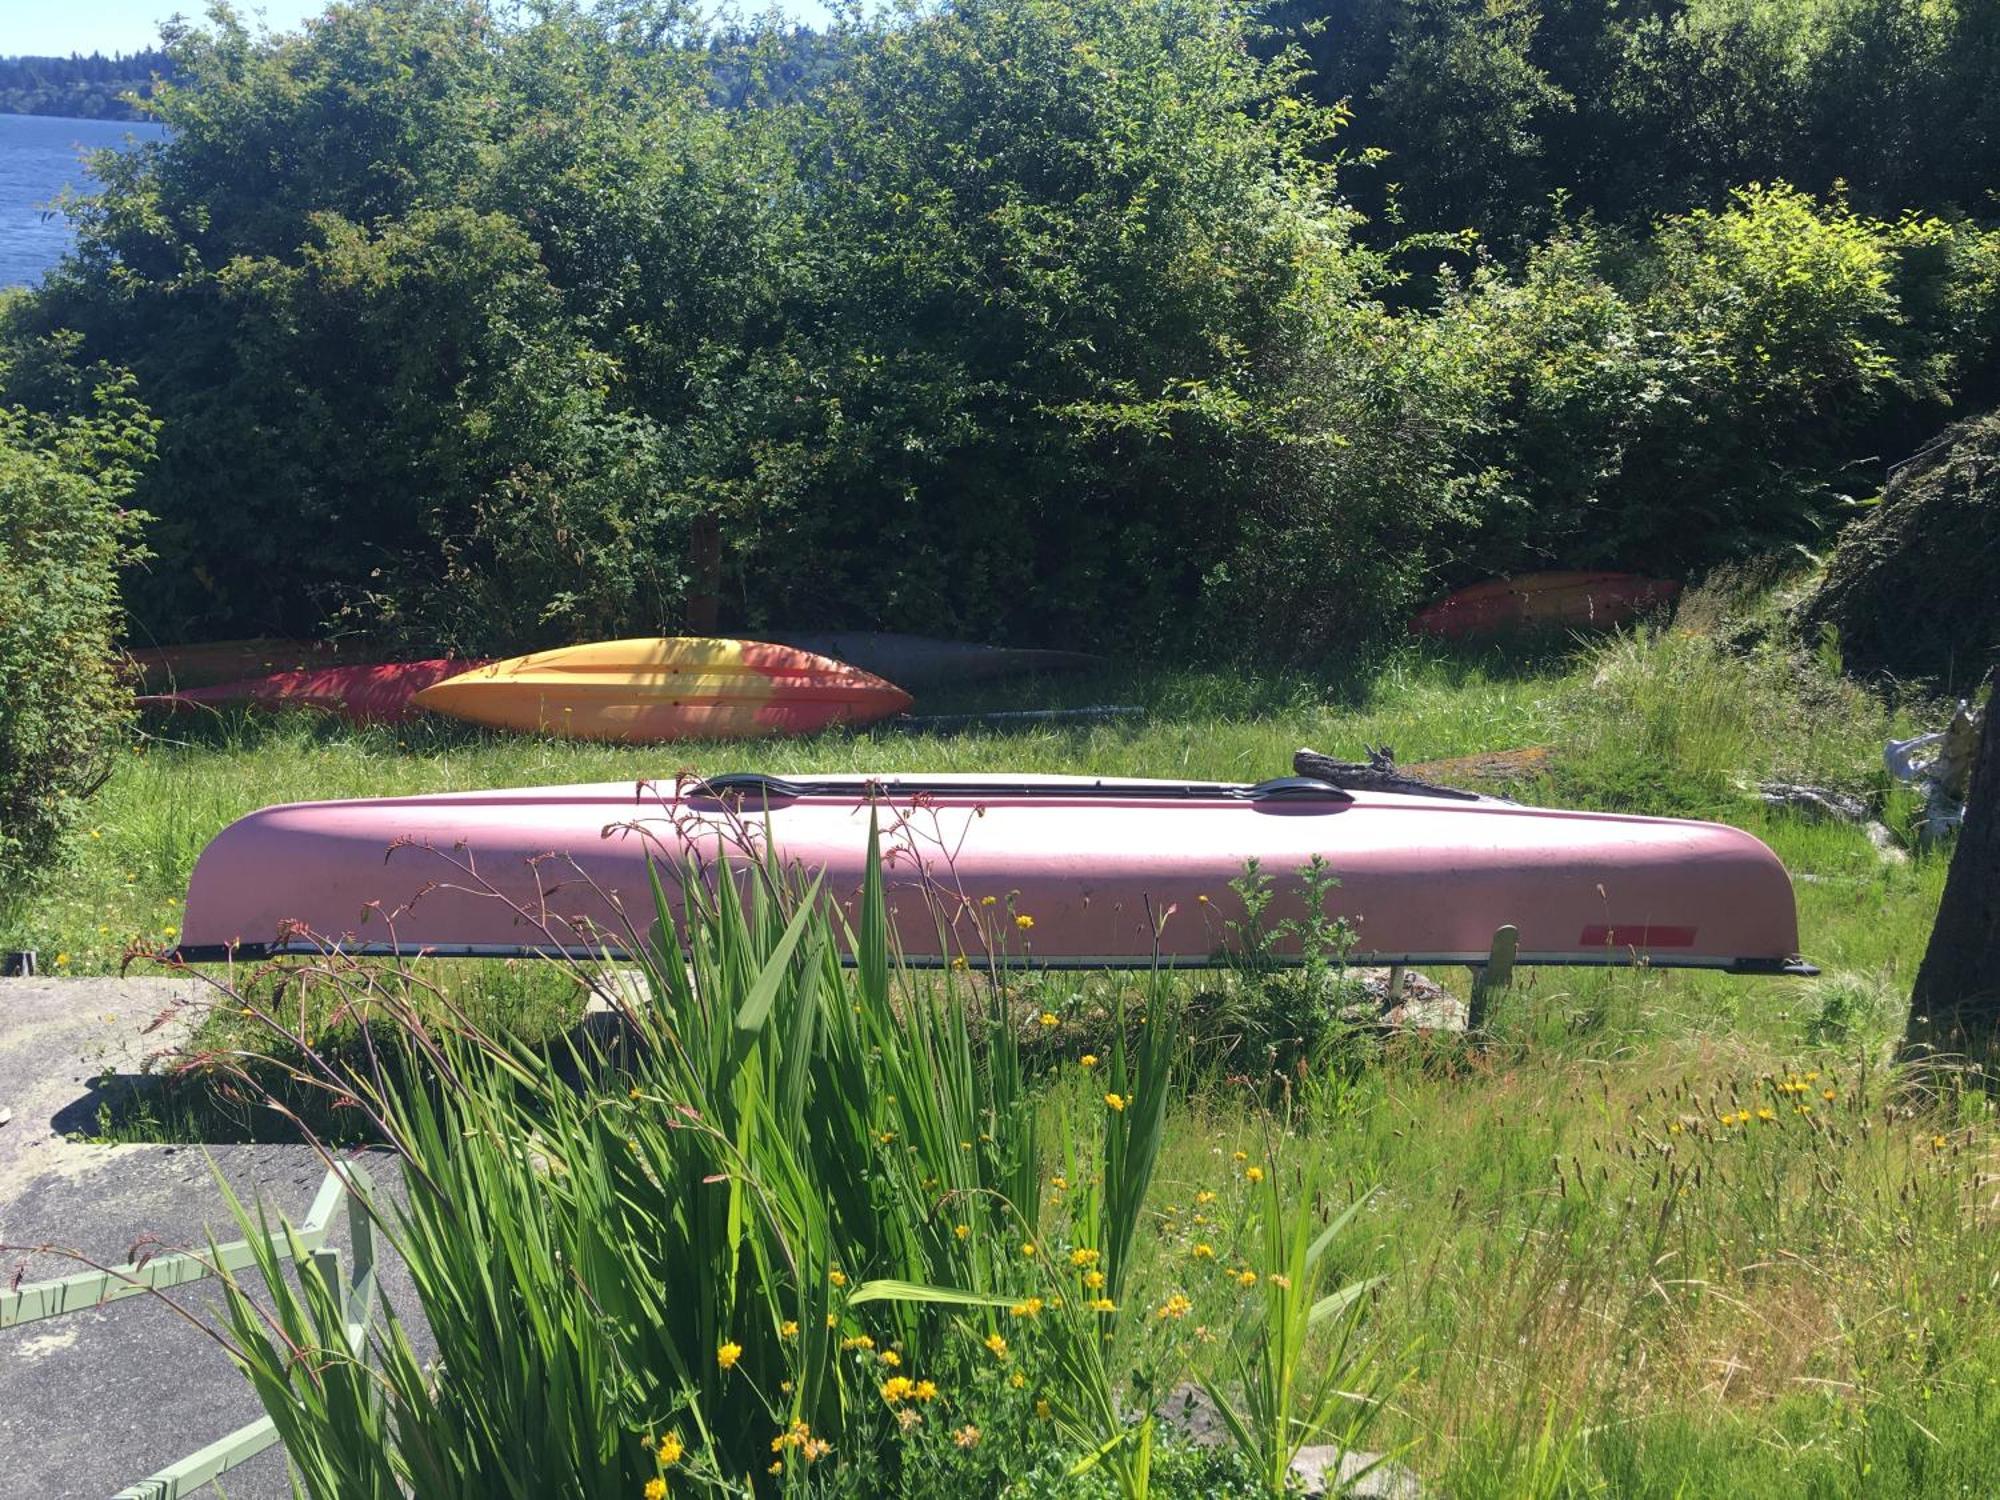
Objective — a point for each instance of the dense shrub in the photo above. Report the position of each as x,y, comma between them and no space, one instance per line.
1703,395
1910,590
1483,109
64,534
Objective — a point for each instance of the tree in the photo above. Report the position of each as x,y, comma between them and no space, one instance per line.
1957,995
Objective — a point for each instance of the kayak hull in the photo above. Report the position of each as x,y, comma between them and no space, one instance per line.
1105,873
660,689
382,694
165,669
1575,600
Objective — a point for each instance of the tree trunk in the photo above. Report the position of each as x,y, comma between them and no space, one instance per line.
1956,1002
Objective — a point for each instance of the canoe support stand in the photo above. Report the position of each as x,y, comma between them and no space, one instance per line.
1495,974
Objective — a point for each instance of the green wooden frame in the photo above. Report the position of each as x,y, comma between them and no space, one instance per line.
345,1186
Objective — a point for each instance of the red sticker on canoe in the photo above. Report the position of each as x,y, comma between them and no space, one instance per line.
1637,935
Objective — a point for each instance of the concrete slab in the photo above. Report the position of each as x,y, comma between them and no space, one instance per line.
97,1399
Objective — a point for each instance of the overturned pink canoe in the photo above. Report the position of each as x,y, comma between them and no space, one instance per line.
1059,871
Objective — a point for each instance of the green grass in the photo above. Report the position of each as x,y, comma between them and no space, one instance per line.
1591,1283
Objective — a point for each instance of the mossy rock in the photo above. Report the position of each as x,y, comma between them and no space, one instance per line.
1913,588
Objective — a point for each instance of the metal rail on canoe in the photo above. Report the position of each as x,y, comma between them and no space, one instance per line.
345,1186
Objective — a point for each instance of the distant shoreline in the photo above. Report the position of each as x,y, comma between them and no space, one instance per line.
43,114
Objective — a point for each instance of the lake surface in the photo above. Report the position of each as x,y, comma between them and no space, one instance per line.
40,155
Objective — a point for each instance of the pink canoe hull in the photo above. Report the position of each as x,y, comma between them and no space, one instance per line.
1109,876
361,695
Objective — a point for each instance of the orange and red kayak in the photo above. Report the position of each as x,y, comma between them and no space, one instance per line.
1573,601
660,688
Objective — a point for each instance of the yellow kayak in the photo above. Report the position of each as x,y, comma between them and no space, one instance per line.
659,688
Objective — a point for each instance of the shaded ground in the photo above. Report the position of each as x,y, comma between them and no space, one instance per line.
97,1399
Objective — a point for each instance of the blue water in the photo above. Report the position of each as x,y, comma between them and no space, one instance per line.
40,155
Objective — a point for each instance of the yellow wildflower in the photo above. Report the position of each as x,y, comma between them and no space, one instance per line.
859,1341
1093,1279
988,900
788,1329
656,1488
1254,1174
1088,1060
961,1230
728,1354
1028,1248
890,1358
997,1344
1204,1196
1203,1251
1032,1308
671,1449
838,1278
1114,1102
966,1436
1176,1306
897,1388
1103,1305
1245,1278
1043,1410
1050,1019
925,1390
1024,922
1083,1256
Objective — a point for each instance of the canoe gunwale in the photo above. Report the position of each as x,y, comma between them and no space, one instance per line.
216,953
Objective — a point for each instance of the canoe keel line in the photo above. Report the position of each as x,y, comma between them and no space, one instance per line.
1039,871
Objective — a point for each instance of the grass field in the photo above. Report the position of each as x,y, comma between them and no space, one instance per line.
1664,1233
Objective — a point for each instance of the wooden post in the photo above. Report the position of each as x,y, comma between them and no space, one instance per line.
1495,974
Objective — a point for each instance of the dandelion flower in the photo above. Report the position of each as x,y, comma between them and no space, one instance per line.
1246,1278
1114,1102
1025,922
1240,1156
1176,1306
1829,1094
838,1278
1093,1279
1087,1061
1103,1305
656,1488
1203,1251
1254,1174
671,1449
1028,1249
1050,1019
924,1390
961,1230
997,1344
897,1388
728,1354
890,1358
1083,1256
788,1329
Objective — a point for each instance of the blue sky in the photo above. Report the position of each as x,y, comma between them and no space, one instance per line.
60,27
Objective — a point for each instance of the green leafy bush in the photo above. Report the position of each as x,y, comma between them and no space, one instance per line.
64,534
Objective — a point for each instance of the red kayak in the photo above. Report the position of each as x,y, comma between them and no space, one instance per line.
168,669
362,695
1575,601
1063,871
